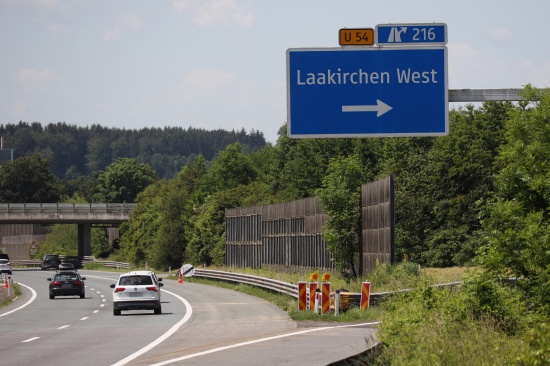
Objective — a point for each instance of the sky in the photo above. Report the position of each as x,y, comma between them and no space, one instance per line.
221,64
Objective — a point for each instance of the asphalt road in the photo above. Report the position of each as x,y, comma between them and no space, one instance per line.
200,325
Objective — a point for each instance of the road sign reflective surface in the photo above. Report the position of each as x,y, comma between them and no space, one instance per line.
367,92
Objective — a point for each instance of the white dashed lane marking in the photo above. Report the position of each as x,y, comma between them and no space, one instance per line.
30,339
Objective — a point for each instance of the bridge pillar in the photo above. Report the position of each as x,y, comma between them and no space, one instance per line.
84,239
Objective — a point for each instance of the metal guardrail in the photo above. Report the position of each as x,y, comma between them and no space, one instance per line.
291,289
116,265
267,283
66,207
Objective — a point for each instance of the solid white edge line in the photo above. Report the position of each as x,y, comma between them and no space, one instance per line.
255,341
25,304
162,338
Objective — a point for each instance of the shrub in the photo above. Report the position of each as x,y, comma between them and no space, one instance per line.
487,298
538,352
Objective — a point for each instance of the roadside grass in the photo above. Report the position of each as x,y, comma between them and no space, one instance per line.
426,326
482,323
5,299
384,278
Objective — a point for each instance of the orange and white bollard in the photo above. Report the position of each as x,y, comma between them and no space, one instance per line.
302,296
6,283
365,295
325,297
180,281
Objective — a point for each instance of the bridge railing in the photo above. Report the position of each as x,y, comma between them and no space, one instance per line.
66,207
85,259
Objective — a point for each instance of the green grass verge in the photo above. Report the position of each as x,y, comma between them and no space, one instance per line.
5,299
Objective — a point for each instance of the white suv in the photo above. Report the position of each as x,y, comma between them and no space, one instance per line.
137,290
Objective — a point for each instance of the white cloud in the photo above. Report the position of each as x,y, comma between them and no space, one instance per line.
471,68
214,13
57,28
32,80
125,23
182,5
203,82
538,75
500,34
19,108
104,108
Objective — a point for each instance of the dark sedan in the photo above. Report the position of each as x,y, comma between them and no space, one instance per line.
67,284
50,261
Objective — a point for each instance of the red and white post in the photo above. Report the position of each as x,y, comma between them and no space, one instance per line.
365,295
312,291
325,297
302,296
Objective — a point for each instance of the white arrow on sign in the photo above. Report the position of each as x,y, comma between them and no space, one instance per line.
380,108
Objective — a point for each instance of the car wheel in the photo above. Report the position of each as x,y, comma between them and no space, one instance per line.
52,297
158,310
82,296
116,311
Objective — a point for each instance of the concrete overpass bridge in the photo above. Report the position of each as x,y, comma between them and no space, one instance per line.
85,215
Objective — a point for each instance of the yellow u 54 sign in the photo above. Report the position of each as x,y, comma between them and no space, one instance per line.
356,37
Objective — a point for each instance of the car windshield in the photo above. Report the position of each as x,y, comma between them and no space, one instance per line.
3,261
66,276
135,280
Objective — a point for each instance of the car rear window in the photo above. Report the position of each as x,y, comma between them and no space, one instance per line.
65,277
135,280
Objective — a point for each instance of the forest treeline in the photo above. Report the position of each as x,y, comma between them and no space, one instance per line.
74,151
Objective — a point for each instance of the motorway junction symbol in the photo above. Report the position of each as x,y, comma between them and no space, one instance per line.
367,92
403,34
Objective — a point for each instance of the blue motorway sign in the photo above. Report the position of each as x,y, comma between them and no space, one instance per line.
367,92
404,34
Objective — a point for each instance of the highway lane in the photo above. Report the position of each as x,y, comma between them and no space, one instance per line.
70,330
224,327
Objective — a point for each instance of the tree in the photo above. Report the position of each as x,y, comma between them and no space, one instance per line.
140,231
340,200
231,168
28,180
158,229
517,221
207,242
123,180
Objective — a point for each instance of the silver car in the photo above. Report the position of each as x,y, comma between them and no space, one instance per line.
137,290
5,266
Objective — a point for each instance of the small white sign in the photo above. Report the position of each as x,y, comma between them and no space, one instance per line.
187,270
